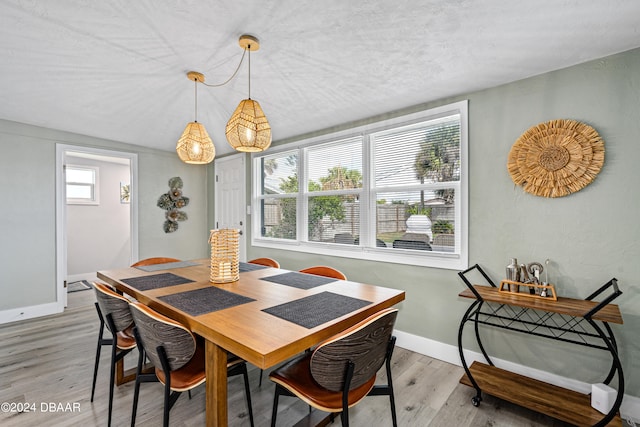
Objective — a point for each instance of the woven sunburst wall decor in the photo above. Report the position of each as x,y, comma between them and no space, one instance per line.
556,158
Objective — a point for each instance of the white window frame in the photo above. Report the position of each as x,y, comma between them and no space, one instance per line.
95,200
454,261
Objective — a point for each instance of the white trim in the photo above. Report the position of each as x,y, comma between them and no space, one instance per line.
61,239
630,408
30,312
61,230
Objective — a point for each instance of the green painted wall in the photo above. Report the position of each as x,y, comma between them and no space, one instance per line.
590,236
28,230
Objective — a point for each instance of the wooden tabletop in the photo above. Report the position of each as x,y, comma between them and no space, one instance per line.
569,306
258,337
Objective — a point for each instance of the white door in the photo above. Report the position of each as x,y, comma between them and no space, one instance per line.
230,196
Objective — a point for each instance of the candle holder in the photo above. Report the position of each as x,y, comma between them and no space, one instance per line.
224,255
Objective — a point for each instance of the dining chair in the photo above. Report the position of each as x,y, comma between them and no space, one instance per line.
113,312
265,261
322,270
178,357
153,261
341,371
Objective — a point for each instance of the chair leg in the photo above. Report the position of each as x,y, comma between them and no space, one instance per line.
136,390
170,398
274,412
141,377
95,371
99,347
392,399
393,410
247,392
167,405
112,377
344,416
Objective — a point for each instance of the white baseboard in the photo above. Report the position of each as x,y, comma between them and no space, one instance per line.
629,410
23,313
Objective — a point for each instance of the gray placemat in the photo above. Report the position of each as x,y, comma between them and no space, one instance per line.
299,280
316,309
205,300
245,266
167,265
156,281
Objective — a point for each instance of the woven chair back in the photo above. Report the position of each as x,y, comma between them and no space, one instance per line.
365,345
115,304
157,330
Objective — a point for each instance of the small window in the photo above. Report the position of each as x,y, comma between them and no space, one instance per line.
82,185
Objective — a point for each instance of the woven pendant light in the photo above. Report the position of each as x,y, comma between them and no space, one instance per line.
195,146
248,129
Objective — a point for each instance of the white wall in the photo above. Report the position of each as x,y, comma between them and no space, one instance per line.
99,236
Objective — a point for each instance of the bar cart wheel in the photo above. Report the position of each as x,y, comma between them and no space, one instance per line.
475,400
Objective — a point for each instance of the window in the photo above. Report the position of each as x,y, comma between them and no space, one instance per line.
391,191
81,182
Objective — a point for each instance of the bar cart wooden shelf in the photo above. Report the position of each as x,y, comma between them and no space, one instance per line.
581,322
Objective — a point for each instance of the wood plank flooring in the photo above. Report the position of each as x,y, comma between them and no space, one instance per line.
50,361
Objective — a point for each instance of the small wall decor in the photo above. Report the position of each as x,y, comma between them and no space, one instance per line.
172,201
556,158
125,193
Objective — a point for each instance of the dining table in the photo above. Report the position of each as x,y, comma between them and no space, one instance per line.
265,317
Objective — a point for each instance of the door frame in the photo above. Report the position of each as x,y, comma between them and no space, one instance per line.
243,197
61,209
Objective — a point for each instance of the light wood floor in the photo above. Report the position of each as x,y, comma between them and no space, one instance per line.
50,360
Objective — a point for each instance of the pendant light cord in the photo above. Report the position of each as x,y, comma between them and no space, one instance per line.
195,83
249,71
234,73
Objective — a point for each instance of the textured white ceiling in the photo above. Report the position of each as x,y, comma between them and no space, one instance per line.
116,69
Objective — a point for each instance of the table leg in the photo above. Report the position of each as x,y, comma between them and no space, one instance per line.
120,376
123,376
216,384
